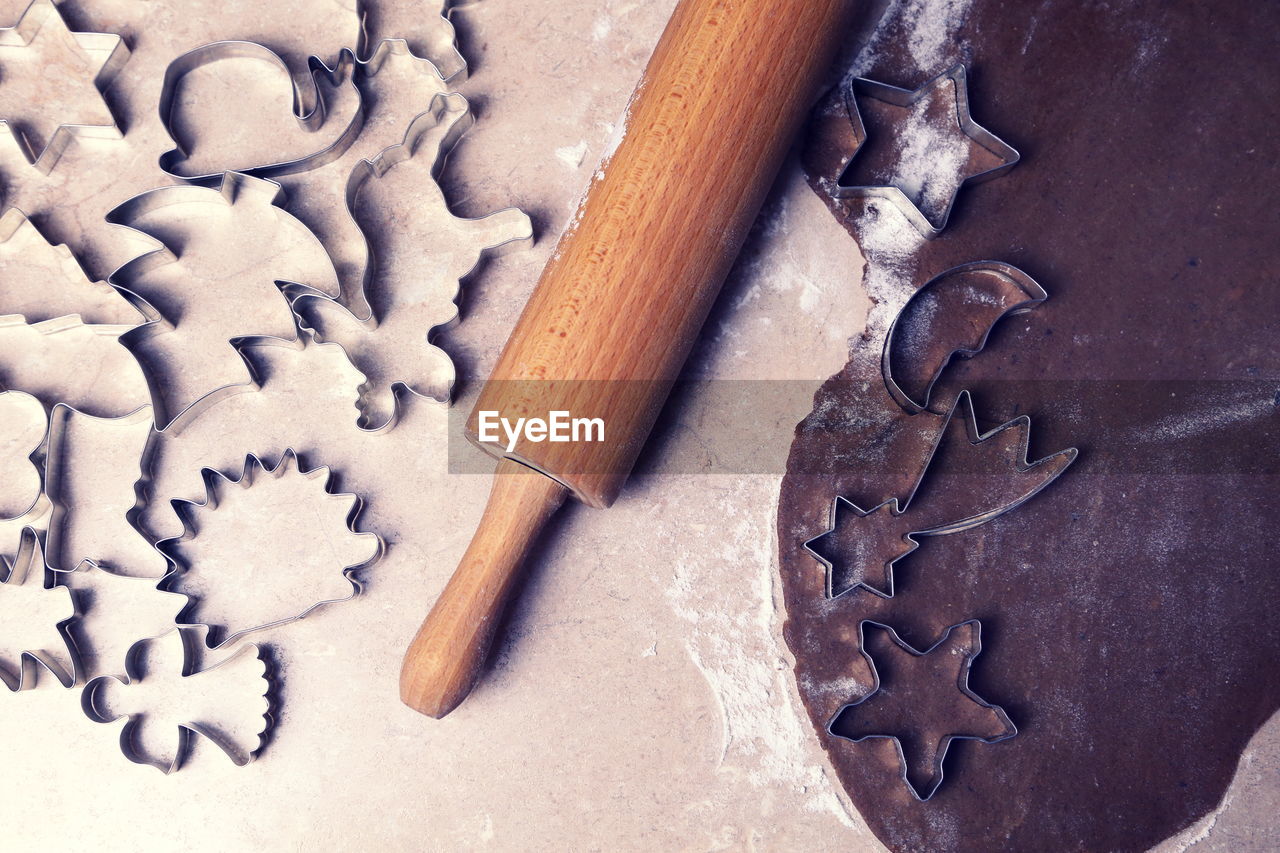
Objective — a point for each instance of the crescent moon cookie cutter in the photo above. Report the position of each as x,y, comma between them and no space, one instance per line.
1003,156
996,288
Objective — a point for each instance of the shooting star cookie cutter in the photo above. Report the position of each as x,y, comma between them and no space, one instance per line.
254,466
962,684
107,49
905,536
1005,155
998,289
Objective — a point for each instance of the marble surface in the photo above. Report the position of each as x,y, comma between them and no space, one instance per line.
642,698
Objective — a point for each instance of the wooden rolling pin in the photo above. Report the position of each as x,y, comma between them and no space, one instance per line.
620,304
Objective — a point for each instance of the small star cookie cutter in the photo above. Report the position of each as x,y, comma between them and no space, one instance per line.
928,227
107,48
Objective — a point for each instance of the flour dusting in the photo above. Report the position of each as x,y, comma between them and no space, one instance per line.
926,27
929,168
734,647
572,155
931,162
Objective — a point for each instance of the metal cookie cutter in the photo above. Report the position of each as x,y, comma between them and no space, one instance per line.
25,428
96,707
258,196
215,482
433,133
107,50
973,297
29,569
327,84
881,536
927,756
929,227
323,78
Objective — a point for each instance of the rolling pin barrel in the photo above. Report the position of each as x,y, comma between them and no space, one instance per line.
630,284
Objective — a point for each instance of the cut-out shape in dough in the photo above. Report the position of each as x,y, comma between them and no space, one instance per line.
33,620
266,548
952,314
921,701
170,694
42,112
224,258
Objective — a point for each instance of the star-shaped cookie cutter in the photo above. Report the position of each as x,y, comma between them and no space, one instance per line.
978,135
1008,729
107,49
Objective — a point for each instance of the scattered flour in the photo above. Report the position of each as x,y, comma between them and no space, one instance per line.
931,161
737,651
601,28
928,168
572,155
1215,417
927,26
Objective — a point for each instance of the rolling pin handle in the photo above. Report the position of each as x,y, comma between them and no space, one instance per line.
449,652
